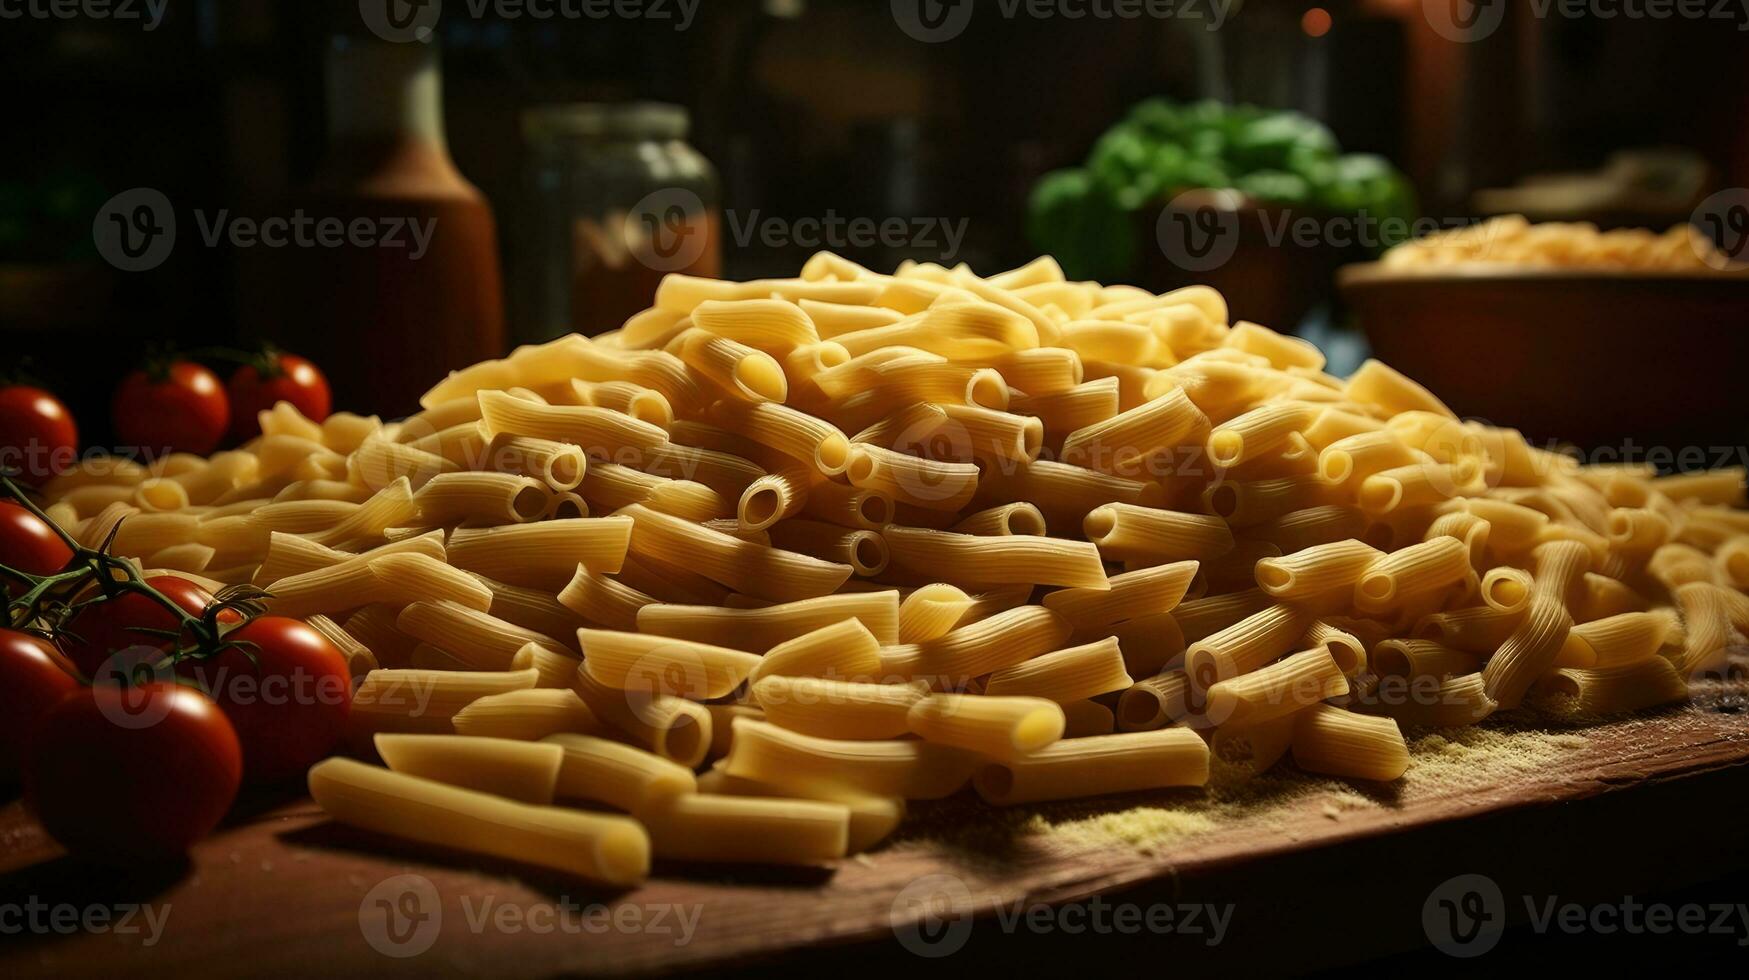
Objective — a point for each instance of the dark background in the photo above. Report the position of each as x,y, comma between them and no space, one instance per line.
804,106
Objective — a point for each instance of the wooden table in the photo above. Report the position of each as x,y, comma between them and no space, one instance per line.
1311,874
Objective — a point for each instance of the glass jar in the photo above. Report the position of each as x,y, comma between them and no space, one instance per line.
615,200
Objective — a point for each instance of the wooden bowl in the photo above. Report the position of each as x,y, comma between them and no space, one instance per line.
1605,360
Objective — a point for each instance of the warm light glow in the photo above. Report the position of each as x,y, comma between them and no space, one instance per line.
1315,22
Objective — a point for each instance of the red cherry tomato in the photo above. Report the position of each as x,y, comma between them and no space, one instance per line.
37,434
288,378
102,629
138,773
184,410
29,544
34,677
289,706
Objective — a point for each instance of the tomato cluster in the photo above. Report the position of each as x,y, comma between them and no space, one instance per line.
134,717
175,405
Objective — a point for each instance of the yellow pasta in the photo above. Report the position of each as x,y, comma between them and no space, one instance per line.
613,850
1131,595
619,775
527,715
1342,743
821,768
1065,676
1097,766
744,566
996,560
641,662
837,709
1130,532
517,770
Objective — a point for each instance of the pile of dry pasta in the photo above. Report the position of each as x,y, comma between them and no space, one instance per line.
851,539
1512,240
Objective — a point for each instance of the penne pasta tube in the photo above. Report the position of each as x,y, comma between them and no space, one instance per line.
913,480
744,566
1256,433
1245,645
522,771
1064,494
478,639
622,776
609,487
527,715
660,664
1528,653
424,701
613,850
993,727
1316,571
676,729
1123,444
1148,643
700,827
1422,658
558,465
1507,590
1098,766
1245,503
1400,577
845,650
1277,690
1002,640
1478,630
821,768
785,430
1019,559
1073,674
1130,532
603,600
599,432
864,551
1342,743
743,372
1631,686
931,611
486,498
1002,520
837,709
764,628
1131,595
1455,702
543,555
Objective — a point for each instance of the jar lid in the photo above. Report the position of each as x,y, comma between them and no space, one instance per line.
619,120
